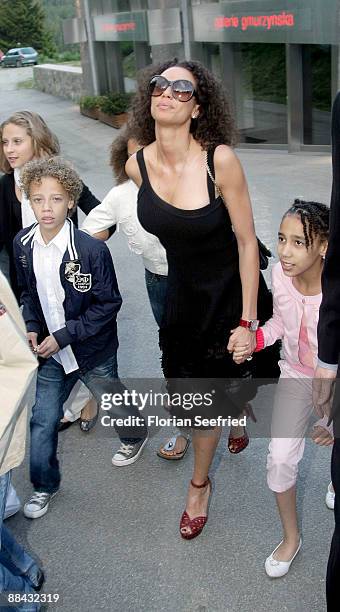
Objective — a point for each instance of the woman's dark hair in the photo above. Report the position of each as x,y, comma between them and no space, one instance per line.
314,217
215,123
119,154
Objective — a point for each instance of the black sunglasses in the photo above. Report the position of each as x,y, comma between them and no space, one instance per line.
181,89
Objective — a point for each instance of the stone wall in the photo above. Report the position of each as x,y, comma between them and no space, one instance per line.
59,80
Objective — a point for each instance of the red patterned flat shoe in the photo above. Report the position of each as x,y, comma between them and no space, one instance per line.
196,524
237,445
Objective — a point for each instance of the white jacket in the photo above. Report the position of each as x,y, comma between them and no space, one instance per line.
17,380
119,207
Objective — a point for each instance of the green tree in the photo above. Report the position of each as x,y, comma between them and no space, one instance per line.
22,23
56,11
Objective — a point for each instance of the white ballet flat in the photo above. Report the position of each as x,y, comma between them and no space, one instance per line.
330,497
277,569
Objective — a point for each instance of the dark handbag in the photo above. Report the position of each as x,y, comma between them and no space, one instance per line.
264,252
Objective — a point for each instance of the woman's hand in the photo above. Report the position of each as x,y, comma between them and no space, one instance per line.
323,390
322,436
242,343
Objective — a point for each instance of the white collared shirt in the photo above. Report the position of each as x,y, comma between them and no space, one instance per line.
47,259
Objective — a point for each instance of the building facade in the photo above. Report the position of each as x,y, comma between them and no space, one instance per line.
279,59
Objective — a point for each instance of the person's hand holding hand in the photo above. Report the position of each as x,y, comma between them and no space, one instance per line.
242,343
323,390
48,347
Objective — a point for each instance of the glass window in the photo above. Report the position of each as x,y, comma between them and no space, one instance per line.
261,92
129,66
317,94
212,58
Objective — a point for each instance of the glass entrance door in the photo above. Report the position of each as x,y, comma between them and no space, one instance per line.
261,92
317,94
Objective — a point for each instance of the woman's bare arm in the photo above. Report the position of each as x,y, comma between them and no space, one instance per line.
231,180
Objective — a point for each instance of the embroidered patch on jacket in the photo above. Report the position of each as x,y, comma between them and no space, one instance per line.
2,309
82,282
71,269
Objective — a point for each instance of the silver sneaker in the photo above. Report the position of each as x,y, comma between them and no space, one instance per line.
128,453
37,506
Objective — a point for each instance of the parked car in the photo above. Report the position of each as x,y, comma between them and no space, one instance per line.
20,56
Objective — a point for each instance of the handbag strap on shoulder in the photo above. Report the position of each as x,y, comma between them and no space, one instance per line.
211,176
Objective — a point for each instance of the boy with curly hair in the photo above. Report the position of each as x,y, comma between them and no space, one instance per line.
70,303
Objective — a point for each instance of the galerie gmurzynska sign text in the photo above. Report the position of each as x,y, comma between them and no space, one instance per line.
272,21
281,20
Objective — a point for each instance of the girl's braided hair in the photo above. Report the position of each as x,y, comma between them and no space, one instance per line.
314,217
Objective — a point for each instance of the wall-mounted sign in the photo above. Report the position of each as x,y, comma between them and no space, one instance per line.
266,22
74,31
121,26
164,26
276,21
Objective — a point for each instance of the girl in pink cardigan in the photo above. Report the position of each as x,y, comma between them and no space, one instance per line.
296,287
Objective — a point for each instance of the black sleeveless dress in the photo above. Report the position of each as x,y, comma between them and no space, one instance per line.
204,300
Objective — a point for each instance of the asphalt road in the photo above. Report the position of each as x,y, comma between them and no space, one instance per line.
110,540
10,77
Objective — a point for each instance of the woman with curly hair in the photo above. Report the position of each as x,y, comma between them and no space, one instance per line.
183,118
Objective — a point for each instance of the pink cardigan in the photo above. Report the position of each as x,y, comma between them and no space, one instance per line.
285,323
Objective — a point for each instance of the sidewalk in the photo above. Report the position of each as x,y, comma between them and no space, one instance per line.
110,540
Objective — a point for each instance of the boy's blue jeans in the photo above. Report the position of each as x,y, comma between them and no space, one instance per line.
14,560
53,389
